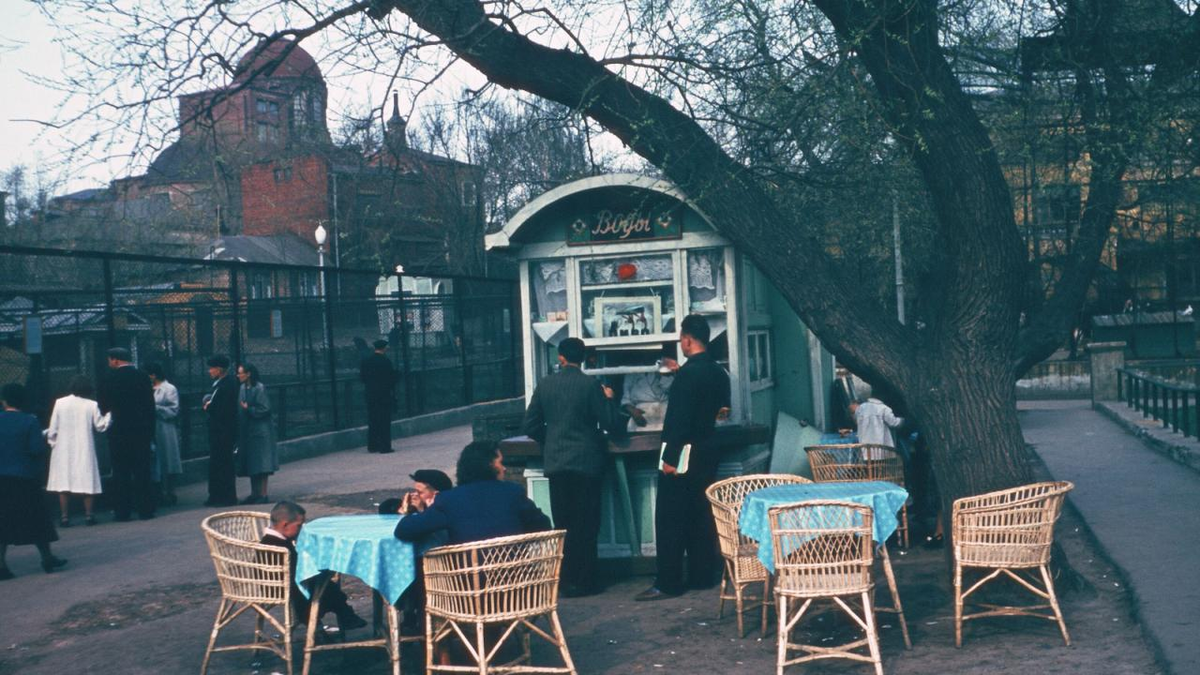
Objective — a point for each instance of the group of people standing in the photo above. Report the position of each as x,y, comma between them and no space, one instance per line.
138,411
569,414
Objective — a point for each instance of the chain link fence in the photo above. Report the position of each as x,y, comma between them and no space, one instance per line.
453,339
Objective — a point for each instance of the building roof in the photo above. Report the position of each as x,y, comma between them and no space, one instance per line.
279,58
285,249
64,321
183,161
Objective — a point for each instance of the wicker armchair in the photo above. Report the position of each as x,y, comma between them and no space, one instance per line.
823,550
742,566
254,579
1007,532
860,462
505,582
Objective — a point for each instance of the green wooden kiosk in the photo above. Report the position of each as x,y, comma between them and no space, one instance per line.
617,260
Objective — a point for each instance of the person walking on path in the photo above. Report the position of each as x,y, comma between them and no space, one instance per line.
683,521
222,408
256,455
72,437
167,460
379,380
24,518
127,394
567,415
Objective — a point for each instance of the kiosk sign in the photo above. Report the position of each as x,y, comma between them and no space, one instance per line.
608,226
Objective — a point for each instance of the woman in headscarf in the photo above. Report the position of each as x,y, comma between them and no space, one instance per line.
257,456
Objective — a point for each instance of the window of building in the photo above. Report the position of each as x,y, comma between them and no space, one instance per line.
283,174
468,192
266,132
267,107
758,353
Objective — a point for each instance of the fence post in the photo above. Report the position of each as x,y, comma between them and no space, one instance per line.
109,320
462,343
1106,359
235,327
407,372
333,388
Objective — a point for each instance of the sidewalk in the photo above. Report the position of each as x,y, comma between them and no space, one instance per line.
1143,509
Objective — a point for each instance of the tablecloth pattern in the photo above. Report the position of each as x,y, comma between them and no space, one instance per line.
361,546
885,499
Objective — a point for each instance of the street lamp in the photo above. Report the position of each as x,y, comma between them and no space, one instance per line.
320,235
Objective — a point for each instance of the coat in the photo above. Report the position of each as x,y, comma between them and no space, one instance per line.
568,415
474,512
222,412
256,453
128,395
72,438
166,428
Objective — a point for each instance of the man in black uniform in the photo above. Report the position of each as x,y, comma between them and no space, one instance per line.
222,409
129,396
683,521
379,378
567,415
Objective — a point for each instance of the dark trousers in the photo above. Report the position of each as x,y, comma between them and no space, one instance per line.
379,423
131,485
683,523
333,599
222,483
575,505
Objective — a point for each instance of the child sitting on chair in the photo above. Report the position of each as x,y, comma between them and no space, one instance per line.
286,520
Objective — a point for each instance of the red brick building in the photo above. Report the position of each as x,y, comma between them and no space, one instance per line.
254,158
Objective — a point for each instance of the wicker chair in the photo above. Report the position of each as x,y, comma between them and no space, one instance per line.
742,566
254,579
504,582
1007,532
823,550
860,462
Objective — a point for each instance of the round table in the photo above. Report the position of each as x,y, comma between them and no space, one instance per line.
364,547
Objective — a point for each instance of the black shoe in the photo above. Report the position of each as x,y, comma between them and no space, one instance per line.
64,522
89,521
350,621
50,564
252,499
654,593
934,542
386,452
6,574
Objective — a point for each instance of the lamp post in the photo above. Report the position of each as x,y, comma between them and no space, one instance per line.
327,320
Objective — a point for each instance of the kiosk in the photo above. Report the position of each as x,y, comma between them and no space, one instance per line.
618,260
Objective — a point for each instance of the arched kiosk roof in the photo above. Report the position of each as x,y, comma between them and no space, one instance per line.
511,233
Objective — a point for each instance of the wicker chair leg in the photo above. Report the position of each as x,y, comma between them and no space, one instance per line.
891,583
766,604
561,639
958,604
739,602
726,578
212,638
288,624
482,647
314,618
781,641
1062,625
430,646
904,525
872,633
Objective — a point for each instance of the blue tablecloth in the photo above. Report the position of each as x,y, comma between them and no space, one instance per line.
885,500
361,546
838,439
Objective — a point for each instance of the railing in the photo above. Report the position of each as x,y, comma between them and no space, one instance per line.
1172,402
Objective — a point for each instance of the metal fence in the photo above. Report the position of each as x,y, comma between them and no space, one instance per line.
453,339
1167,393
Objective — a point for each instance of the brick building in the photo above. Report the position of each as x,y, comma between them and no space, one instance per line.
254,158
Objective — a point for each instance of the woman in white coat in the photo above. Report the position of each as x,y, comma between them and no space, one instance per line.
72,437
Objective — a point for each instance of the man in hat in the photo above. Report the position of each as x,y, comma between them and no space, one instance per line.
427,483
568,415
221,406
129,396
379,379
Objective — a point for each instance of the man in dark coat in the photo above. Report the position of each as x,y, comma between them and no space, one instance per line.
567,415
221,406
379,379
683,521
127,394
